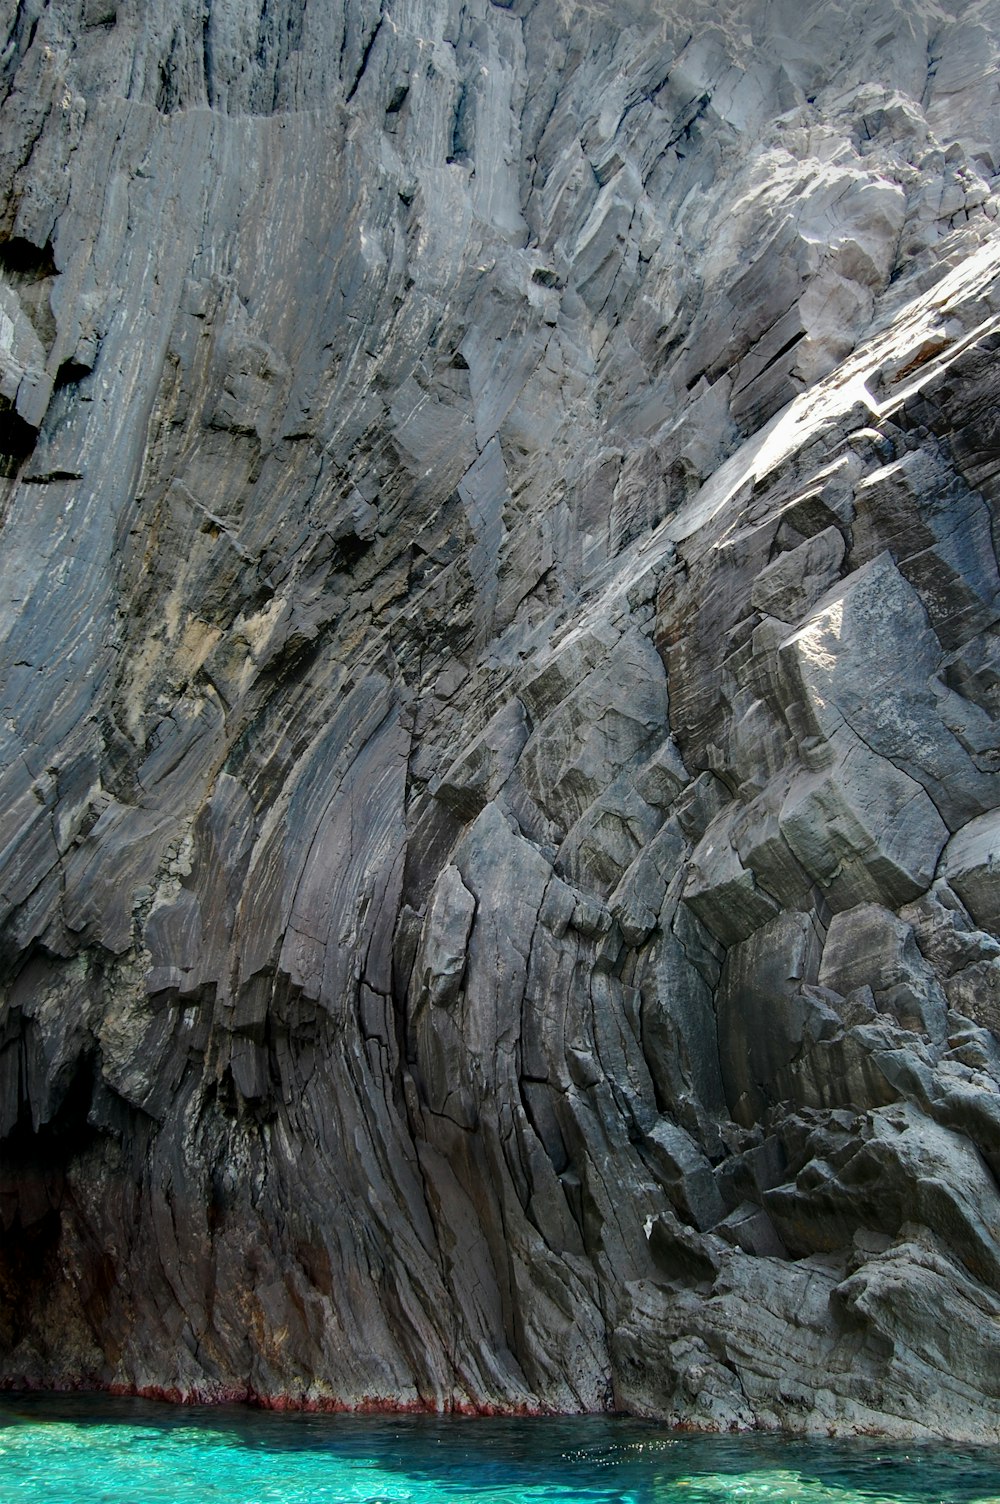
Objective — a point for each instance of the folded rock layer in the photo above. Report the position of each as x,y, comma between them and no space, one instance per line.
500,850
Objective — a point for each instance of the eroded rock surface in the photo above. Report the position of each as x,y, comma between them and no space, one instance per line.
500,752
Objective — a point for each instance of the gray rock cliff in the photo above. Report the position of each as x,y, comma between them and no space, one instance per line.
500,852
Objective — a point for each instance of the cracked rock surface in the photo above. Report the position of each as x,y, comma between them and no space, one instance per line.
500,815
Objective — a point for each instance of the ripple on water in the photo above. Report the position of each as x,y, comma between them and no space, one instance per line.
95,1450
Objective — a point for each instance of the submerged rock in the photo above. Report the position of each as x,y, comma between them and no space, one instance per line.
500,753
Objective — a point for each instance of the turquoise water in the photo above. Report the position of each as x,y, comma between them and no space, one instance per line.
93,1450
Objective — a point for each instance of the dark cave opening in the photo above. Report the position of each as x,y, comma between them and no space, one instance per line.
33,1166
17,440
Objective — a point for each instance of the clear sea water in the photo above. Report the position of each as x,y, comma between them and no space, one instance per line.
94,1450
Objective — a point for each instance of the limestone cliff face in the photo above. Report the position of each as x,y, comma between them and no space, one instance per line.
500,872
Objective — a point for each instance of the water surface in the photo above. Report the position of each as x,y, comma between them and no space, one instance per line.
95,1450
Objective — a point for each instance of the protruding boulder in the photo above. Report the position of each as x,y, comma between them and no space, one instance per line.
971,864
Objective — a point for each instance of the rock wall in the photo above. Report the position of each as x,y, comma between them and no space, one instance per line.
500,753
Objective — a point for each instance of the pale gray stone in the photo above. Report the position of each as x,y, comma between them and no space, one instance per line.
795,580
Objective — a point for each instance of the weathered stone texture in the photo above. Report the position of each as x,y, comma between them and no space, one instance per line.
499,763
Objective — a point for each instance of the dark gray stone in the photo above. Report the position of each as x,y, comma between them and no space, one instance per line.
500,684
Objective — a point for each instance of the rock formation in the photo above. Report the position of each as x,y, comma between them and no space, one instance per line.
500,749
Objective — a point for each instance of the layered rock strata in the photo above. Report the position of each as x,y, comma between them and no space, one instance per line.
500,754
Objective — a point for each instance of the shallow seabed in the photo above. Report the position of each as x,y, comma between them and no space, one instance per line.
97,1450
